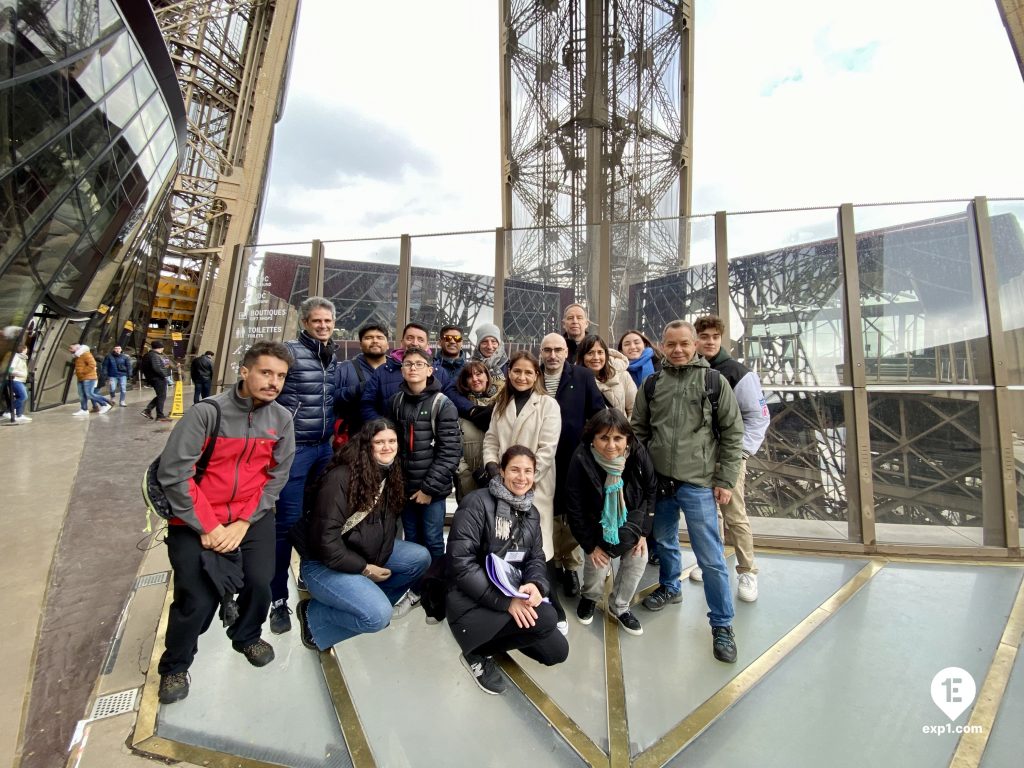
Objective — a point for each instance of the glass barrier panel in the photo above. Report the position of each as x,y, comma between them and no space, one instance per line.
786,289
1007,219
1017,427
662,270
927,450
361,278
453,284
922,306
795,483
542,279
274,281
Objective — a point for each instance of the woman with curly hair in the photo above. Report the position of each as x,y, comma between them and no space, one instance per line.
352,564
477,385
610,370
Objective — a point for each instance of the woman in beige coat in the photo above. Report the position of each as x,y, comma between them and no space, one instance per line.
610,369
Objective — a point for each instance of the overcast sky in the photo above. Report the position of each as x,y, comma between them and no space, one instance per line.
391,122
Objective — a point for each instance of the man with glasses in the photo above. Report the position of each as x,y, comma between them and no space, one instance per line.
386,379
575,389
450,356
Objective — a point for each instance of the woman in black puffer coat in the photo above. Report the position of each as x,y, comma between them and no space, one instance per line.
501,521
347,542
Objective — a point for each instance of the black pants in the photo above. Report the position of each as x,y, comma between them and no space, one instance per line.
202,389
160,388
196,601
542,642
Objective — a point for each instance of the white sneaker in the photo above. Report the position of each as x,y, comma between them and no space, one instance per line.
80,412
747,590
563,627
696,575
23,419
402,608
105,408
6,415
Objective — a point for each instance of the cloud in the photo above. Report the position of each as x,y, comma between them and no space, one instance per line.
321,146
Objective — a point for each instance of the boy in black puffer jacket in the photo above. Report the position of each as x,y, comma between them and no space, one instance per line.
430,442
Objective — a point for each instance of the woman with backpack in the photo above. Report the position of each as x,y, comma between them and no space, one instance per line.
430,446
502,524
352,564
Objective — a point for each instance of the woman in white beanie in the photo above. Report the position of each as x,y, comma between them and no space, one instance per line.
490,351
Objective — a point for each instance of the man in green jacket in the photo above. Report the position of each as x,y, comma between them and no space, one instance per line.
696,468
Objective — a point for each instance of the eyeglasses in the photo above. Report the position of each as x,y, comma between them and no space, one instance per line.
552,350
416,365
450,337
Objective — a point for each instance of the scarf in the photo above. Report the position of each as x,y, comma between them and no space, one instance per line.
495,363
613,514
642,367
508,501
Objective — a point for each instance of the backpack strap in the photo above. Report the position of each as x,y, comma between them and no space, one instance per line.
649,383
713,390
435,408
360,374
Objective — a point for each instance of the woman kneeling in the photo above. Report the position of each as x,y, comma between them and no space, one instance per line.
610,501
501,521
351,563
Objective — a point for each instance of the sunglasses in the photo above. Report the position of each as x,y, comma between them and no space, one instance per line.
449,337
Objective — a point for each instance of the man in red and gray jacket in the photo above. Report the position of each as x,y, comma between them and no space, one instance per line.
230,508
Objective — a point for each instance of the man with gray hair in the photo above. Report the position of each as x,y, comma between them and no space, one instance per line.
696,453
309,395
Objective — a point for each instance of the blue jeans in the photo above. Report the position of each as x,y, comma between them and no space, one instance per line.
20,397
424,524
115,382
309,462
348,604
87,393
698,505
201,389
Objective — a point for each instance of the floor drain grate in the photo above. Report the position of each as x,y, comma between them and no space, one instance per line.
114,704
152,578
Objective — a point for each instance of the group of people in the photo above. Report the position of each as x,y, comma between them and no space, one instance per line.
561,465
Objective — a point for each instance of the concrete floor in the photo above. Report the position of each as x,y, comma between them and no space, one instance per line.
84,597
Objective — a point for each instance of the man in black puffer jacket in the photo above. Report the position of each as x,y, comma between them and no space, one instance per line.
430,443
308,394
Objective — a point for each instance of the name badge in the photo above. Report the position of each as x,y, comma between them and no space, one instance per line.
515,557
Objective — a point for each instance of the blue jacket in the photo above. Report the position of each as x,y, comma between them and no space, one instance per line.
349,382
308,392
116,365
452,366
386,380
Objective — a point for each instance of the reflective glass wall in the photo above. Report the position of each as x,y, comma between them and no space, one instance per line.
91,127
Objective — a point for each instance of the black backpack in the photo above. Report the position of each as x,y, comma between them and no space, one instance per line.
153,492
712,390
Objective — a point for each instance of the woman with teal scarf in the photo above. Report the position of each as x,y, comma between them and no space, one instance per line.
610,507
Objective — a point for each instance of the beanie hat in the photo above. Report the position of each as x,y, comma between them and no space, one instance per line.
487,329
157,344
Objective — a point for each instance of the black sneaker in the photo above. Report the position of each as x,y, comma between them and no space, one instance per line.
661,597
585,610
724,644
484,671
259,653
653,559
300,583
570,582
304,632
147,414
279,621
173,687
630,623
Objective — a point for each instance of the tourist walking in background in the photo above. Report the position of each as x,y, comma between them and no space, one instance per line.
353,565
201,371
85,372
610,493
609,367
154,369
17,375
117,368
501,522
